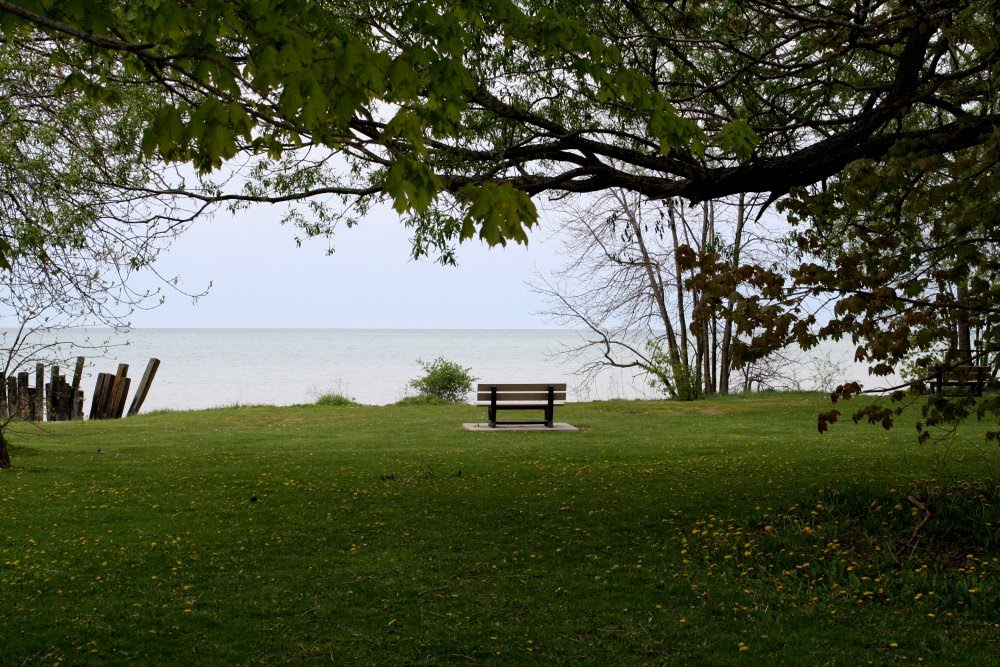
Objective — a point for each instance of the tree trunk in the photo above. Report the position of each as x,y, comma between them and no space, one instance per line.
4,452
681,317
715,353
655,283
707,330
726,363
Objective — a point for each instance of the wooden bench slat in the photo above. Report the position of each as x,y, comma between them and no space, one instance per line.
522,386
503,404
522,396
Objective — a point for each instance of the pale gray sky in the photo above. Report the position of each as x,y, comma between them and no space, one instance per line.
262,279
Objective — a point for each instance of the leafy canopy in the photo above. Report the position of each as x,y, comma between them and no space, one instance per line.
460,111
697,99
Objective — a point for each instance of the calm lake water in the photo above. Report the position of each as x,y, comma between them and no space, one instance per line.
203,368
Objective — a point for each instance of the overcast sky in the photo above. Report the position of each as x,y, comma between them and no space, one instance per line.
260,278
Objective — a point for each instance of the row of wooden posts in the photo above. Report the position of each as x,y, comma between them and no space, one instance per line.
111,391
59,400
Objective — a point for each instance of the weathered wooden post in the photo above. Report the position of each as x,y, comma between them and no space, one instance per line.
119,405
38,413
106,390
22,395
101,390
143,389
77,410
56,398
30,416
78,404
52,394
66,397
60,397
11,390
118,391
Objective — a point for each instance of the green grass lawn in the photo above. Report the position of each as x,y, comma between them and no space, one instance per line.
721,532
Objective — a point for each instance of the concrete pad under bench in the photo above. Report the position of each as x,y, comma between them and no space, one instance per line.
557,426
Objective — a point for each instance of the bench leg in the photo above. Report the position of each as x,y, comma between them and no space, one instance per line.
493,406
550,407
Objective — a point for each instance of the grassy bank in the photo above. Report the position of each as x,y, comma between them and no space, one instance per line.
720,532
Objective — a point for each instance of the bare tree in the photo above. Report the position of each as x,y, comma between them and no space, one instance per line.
628,281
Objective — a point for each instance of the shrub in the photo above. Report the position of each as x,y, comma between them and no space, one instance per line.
336,400
679,380
444,380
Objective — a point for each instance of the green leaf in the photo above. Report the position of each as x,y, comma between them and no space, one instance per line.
412,185
501,212
5,252
401,79
738,138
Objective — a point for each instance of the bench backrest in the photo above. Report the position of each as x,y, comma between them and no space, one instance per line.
522,392
963,372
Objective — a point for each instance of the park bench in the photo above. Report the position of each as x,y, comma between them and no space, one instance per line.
958,380
521,397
